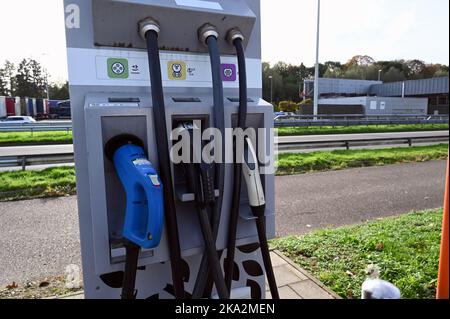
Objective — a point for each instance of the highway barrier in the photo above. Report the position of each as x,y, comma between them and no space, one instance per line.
280,121
354,120
283,144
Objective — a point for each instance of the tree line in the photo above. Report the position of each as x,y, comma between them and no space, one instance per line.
287,80
281,82
29,79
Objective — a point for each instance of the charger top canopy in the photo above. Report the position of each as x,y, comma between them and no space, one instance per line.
179,22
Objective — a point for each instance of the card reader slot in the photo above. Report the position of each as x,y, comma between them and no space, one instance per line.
124,100
236,100
186,100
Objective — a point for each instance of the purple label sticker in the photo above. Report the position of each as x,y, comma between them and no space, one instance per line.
229,72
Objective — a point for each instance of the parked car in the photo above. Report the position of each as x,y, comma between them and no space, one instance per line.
279,115
18,120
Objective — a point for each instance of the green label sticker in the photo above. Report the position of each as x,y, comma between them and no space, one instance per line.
118,68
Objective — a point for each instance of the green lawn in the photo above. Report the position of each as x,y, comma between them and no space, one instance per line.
52,182
289,164
405,248
18,138
290,131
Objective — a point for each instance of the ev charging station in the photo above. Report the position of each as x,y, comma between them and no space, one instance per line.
138,69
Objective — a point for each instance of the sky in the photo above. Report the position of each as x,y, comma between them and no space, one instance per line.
383,29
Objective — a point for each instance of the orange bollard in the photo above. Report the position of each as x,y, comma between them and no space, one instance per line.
443,281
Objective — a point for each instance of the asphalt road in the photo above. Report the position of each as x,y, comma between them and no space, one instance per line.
35,150
330,199
39,238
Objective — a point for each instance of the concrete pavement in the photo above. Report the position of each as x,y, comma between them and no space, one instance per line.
293,282
39,238
296,283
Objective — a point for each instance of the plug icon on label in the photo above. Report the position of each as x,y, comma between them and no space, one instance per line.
229,72
118,68
177,70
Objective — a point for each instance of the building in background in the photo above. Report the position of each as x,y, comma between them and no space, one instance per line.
435,90
341,96
374,105
329,87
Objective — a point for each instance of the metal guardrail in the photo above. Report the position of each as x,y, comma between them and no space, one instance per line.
365,116
337,123
36,127
68,157
31,160
353,120
35,124
280,121
14,129
348,143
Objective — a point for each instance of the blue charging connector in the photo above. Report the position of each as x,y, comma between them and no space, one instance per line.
144,218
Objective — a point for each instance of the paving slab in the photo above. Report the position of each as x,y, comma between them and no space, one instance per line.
293,282
286,275
285,292
308,289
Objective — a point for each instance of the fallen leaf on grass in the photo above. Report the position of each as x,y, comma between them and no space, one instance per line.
44,284
12,286
349,294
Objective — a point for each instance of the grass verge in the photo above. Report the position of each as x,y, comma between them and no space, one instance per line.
405,248
293,131
52,182
25,138
289,164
